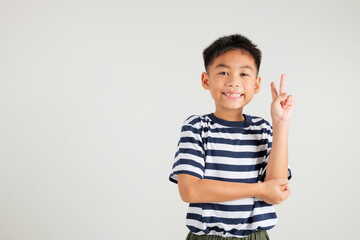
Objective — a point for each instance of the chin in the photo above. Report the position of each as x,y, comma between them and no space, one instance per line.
235,108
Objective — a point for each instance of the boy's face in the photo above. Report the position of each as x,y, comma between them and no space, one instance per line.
232,81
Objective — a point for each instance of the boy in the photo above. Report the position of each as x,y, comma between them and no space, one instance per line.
223,164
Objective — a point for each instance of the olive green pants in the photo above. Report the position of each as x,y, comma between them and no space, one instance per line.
258,235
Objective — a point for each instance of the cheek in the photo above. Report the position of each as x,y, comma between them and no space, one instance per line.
251,85
216,92
216,86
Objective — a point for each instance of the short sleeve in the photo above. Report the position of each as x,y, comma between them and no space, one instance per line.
190,155
262,172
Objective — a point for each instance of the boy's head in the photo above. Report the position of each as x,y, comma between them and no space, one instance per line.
231,42
232,66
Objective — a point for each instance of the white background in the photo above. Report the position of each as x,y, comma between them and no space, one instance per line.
93,95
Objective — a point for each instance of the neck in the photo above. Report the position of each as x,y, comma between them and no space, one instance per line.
235,115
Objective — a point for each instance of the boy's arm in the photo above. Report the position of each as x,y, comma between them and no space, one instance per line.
277,166
281,111
196,190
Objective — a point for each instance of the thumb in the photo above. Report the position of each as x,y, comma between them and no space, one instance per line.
287,192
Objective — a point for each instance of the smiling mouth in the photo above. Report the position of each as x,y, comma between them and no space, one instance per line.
234,95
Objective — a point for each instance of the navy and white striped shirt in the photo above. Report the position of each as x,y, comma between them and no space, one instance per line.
213,148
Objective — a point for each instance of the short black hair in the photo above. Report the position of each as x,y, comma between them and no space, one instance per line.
231,42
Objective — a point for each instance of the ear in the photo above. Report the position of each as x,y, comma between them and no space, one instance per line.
205,81
257,84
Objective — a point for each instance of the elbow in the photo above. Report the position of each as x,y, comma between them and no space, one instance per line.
186,194
188,188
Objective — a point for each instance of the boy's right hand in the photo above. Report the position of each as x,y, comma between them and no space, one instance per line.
275,191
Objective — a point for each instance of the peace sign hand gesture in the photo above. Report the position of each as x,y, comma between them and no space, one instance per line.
282,105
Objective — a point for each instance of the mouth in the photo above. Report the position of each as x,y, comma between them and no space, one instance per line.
233,95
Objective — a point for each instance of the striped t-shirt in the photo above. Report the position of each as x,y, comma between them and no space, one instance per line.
213,148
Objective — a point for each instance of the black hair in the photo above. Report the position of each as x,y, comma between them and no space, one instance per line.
231,42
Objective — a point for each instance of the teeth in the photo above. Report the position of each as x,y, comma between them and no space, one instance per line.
233,94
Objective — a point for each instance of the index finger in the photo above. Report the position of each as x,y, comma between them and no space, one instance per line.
282,84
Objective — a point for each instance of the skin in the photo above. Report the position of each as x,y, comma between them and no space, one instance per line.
231,74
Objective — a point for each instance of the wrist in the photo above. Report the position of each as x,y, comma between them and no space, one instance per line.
259,189
280,124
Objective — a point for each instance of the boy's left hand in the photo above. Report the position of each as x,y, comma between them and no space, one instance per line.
282,105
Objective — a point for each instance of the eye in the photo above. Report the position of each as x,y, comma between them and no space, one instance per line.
224,73
244,74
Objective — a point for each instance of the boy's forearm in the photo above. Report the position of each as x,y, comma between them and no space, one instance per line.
207,190
277,166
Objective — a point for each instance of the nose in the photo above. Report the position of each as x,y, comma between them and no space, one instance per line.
233,82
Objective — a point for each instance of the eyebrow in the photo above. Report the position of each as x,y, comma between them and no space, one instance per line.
226,66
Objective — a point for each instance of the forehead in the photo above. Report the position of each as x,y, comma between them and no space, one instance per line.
234,59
